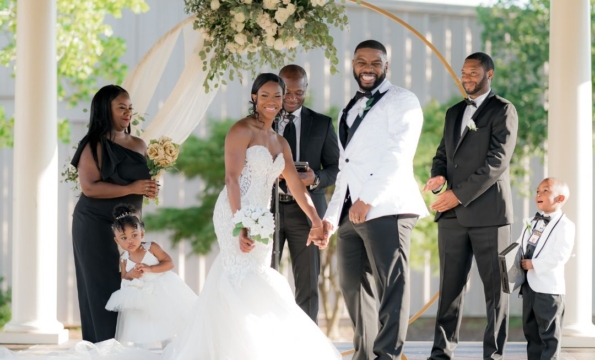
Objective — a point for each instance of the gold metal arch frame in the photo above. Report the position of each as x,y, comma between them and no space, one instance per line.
463,94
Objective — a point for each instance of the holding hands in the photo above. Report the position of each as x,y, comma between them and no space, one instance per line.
318,236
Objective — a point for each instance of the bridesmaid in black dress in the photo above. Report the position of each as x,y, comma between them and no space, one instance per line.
112,169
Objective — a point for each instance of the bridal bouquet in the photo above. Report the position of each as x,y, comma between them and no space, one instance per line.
259,222
249,34
161,156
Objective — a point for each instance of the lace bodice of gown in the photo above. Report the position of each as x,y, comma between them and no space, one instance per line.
256,183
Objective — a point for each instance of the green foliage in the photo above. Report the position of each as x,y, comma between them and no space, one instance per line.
87,51
201,158
519,38
248,34
424,236
5,311
6,126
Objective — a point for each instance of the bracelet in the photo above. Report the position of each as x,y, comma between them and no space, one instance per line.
317,227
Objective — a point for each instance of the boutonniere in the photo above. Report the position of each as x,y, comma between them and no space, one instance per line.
528,225
365,107
471,125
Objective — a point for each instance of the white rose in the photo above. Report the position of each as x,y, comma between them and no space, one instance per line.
318,2
271,30
281,16
279,45
292,43
232,47
290,9
271,4
240,17
237,26
247,2
269,41
241,39
248,223
300,24
215,4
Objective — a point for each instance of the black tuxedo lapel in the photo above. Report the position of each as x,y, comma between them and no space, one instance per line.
343,128
306,126
477,113
358,120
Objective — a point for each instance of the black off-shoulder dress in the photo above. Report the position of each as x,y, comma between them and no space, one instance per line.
96,254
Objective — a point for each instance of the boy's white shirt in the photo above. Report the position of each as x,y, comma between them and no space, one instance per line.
549,258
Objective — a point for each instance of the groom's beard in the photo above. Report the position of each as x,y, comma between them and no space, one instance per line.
378,81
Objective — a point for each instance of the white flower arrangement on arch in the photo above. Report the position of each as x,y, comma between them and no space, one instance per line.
247,34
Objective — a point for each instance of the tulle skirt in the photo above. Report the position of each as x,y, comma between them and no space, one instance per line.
255,319
152,309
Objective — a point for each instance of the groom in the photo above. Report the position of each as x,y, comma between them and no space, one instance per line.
375,204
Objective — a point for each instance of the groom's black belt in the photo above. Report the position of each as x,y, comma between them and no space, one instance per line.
284,198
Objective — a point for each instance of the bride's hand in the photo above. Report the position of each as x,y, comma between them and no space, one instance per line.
317,237
246,244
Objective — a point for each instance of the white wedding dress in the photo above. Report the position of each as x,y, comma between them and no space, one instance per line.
246,310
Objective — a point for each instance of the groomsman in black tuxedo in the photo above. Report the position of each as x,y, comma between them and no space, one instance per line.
475,212
313,139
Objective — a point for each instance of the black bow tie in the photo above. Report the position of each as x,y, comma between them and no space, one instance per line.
361,94
470,102
546,219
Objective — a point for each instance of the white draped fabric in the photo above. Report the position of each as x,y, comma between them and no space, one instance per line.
186,105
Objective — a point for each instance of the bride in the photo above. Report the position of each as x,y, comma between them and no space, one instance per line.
246,310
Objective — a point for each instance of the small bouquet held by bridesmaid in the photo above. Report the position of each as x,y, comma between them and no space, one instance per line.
161,156
259,222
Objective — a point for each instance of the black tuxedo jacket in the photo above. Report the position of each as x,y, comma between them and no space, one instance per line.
319,147
476,167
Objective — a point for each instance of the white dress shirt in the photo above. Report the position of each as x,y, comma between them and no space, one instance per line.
297,122
352,114
470,110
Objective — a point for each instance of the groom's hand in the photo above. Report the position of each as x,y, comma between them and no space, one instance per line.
358,212
328,229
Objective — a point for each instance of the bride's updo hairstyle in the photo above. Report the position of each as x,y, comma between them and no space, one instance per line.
259,82
126,215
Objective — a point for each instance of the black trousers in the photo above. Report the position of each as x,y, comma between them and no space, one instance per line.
305,260
456,246
543,315
373,260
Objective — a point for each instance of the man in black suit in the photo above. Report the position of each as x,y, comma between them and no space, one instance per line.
312,138
475,212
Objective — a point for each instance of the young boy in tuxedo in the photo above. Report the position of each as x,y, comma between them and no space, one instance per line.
547,242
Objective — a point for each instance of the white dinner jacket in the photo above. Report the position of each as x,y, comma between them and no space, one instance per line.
377,164
547,275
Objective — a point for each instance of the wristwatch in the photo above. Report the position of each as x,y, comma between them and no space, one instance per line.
316,182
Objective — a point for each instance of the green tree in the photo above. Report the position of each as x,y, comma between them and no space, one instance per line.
201,158
518,38
86,48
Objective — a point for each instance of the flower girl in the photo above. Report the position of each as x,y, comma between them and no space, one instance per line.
153,302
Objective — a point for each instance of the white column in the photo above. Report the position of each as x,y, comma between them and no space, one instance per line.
35,194
570,152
